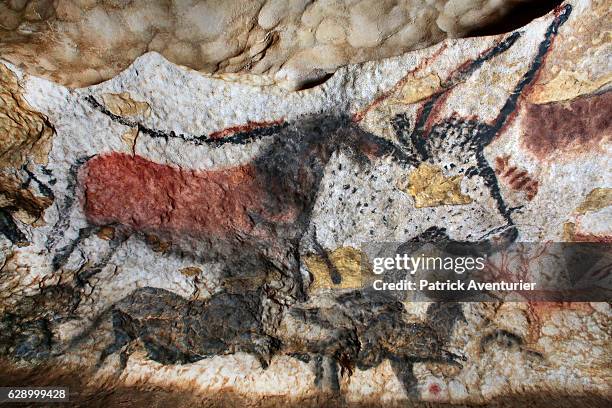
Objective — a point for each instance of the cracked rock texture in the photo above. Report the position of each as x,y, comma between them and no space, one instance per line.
202,236
295,42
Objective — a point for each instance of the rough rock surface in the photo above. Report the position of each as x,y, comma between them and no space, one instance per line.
174,230
295,42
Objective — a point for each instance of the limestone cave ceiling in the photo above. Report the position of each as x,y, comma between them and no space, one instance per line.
294,42
195,197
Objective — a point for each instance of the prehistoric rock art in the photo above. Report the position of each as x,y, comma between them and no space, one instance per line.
429,187
122,104
342,268
561,127
597,199
517,179
195,232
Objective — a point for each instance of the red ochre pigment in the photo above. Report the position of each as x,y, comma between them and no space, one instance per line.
147,196
580,124
243,128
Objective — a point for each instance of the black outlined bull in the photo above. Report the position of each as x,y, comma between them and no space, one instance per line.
365,329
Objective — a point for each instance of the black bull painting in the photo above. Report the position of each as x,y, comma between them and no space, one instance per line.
254,219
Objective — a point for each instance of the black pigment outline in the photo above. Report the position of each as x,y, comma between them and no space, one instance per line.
241,137
485,132
439,314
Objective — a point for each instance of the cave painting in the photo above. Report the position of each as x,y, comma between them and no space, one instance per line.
237,212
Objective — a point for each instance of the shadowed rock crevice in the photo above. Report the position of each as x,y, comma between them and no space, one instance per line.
516,17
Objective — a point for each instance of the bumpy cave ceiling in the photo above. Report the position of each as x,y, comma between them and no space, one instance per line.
194,194
294,42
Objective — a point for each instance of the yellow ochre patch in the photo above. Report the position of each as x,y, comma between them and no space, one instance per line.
122,104
190,271
597,199
347,261
430,187
417,89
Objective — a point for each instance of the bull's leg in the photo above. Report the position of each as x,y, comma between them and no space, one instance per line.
403,370
442,317
62,255
326,374
123,335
